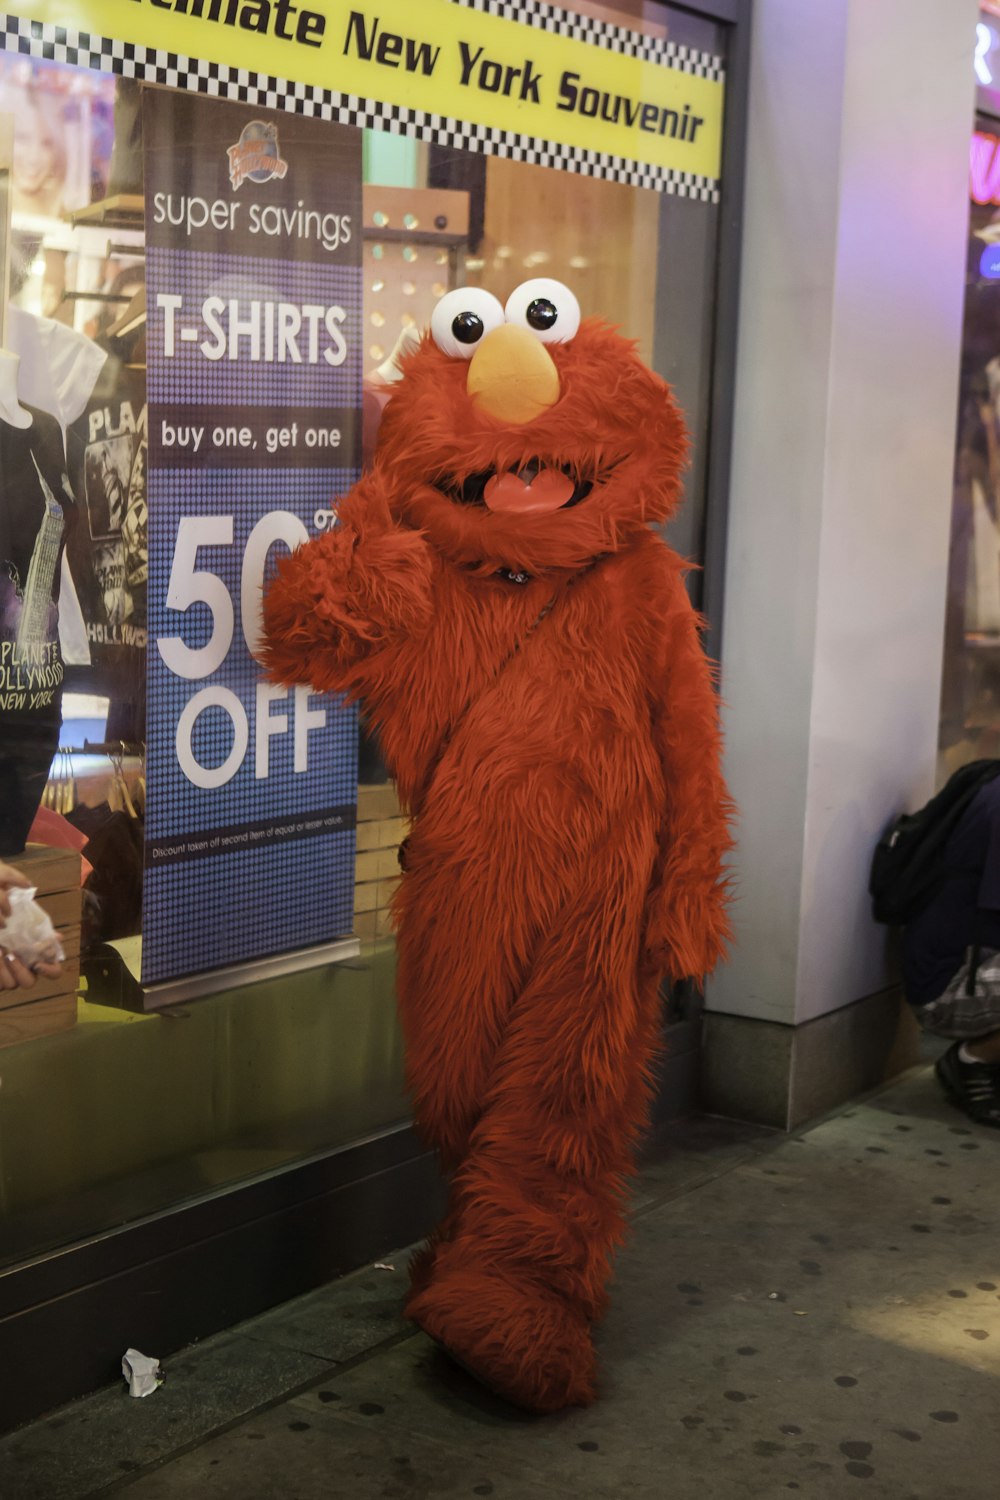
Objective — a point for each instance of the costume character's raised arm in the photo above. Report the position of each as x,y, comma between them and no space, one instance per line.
346,596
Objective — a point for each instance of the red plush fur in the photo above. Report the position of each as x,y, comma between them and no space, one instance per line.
571,821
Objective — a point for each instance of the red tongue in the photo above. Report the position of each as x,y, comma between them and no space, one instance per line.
549,489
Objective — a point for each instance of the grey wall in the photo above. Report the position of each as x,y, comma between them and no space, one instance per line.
851,305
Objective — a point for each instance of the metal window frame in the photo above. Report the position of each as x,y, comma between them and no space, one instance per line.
727,305
731,12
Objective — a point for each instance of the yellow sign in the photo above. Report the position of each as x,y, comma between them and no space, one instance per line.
440,57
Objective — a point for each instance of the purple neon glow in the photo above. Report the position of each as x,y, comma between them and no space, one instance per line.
989,263
984,168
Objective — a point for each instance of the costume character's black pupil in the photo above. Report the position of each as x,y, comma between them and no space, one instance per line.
542,313
467,327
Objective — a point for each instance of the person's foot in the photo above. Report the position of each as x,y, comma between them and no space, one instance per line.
973,1087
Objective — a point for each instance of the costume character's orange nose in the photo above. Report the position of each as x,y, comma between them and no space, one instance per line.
512,376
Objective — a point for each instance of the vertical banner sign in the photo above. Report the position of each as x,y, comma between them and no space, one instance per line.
253,294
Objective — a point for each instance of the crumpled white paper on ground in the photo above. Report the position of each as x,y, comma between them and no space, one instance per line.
142,1373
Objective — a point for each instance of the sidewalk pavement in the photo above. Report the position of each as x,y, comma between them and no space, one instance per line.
817,1313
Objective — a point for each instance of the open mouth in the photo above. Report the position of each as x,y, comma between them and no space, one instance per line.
531,489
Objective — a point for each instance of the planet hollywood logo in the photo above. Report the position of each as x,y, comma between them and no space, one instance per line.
256,154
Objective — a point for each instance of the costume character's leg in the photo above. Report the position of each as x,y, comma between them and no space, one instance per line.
457,978
456,981
537,1202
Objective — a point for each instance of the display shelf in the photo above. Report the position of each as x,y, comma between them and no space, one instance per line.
121,211
415,216
113,970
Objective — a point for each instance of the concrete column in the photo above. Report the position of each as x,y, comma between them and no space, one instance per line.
852,287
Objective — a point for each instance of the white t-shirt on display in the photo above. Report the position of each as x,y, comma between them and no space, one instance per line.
59,367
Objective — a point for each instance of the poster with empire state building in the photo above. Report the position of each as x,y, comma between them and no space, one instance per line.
29,607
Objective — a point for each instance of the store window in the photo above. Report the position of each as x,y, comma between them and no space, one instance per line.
970,690
105,251
970,697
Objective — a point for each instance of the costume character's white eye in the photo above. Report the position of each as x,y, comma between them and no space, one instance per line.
546,308
463,318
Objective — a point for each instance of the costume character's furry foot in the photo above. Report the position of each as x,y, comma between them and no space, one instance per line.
533,1350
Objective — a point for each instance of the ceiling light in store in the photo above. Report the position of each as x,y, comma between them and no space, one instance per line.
986,46
84,706
378,286
38,266
579,262
474,263
378,319
377,353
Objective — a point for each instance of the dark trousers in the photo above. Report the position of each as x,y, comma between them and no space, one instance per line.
24,770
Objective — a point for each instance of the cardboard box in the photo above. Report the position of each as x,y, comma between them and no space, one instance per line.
26,1023
376,802
381,830
50,1005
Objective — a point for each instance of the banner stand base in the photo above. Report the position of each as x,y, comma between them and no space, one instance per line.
112,974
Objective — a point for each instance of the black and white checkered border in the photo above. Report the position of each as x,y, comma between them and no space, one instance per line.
604,34
153,65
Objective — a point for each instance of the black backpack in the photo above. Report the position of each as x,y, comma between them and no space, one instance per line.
907,864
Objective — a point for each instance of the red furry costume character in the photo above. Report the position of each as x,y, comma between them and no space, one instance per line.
525,644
